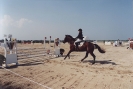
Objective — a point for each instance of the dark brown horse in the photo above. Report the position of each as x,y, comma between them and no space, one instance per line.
87,46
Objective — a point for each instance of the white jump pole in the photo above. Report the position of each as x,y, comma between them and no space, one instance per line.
129,43
5,37
5,43
15,46
10,36
50,43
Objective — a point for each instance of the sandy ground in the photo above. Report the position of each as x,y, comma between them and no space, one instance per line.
112,70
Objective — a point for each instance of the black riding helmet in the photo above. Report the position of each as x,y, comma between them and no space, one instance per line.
80,30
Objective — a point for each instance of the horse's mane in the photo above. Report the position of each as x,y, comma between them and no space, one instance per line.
71,37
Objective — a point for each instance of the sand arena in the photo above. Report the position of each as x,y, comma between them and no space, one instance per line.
112,70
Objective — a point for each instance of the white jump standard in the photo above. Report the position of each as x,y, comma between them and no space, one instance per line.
10,50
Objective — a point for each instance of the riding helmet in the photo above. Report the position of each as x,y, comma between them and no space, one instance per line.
80,29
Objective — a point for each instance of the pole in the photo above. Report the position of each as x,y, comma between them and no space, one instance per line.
50,43
45,42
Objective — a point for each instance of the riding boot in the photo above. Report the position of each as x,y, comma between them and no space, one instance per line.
77,48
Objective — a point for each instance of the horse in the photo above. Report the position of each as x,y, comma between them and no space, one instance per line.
87,46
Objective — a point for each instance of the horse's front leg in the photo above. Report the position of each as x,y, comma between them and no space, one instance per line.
68,54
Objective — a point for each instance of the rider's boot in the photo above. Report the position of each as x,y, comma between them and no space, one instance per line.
77,48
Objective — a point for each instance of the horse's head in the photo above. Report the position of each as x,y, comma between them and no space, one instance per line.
68,39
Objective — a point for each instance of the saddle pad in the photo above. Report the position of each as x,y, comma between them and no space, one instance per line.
81,43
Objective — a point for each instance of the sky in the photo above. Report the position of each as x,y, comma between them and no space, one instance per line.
36,19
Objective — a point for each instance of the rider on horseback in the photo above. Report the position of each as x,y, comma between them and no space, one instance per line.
80,36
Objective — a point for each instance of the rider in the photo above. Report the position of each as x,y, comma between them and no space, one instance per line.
80,36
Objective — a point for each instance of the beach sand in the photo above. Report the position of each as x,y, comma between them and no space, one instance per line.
112,70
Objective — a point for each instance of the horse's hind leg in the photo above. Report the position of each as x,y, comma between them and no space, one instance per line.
85,55
93,57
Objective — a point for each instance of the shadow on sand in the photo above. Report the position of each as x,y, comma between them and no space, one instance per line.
101,62
70,55
30,63
25,63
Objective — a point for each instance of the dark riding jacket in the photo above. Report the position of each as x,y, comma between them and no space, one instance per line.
80,36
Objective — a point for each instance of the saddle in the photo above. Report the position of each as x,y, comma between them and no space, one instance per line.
79,42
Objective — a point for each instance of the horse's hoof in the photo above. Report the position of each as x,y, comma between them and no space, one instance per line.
93,63
81,60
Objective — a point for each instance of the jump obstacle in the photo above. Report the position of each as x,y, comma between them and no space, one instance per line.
45,51
130,44
12,53
10,50
115,43
107,43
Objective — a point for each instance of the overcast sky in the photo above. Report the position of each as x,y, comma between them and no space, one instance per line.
36,19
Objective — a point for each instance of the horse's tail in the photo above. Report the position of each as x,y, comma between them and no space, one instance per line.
99,49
